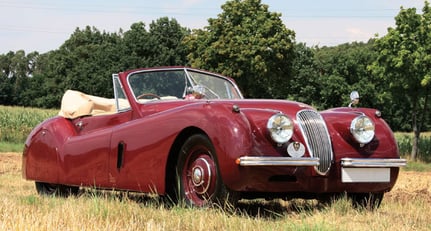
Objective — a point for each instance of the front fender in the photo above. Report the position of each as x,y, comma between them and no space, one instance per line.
338,121
231,135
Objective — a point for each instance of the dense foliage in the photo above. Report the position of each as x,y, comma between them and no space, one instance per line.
404,62
249,43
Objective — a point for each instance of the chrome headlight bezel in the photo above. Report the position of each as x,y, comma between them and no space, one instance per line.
280,128
362,128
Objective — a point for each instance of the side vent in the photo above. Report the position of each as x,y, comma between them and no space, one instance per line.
120,155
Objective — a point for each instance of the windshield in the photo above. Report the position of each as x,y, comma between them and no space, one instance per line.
175,84
214,87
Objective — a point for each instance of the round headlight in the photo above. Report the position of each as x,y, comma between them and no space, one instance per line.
362,129
280,128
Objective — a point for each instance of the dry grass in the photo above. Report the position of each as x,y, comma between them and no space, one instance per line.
406,207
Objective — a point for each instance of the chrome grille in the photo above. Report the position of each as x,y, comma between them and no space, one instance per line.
317,138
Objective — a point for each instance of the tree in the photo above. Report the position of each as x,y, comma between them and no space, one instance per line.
342,69
248,43
87,60
6,84
160,46
136,47
304,85
91,57
16,69
165,42
404,61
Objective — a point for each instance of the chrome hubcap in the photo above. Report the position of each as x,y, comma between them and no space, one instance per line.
201,175
197,176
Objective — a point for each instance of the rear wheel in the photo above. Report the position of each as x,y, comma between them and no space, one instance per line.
47,189
198,175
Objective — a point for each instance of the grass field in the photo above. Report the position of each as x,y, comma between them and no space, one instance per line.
406,207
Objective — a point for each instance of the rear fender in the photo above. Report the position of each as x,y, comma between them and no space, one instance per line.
42,149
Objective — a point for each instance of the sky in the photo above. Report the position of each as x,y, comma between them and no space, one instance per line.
44,25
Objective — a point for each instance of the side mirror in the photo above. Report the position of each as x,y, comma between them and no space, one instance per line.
354,98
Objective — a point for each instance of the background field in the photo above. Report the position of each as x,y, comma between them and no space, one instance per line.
406,207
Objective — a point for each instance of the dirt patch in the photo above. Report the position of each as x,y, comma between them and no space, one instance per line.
10,162
411,186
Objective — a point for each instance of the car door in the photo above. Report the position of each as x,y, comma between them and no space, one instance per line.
86,155
140,151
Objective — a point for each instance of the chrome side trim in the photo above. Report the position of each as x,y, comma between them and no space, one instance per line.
372,162
277,161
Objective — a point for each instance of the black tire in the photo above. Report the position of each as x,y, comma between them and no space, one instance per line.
328,199
47,189
369,201
198,176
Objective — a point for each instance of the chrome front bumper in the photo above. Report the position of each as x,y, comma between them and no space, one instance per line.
372,163
308,161
276,161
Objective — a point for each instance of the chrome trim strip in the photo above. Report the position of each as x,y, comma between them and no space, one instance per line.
372,162
277,161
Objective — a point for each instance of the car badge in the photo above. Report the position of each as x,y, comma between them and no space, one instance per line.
296,149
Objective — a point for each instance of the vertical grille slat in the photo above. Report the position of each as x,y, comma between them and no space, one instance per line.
317,138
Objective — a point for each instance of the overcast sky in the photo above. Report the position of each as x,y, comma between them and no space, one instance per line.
44,25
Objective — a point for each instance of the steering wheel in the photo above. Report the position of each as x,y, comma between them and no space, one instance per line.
148,95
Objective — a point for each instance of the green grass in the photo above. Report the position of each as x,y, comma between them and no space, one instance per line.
405,141
11,147
418,166
17,122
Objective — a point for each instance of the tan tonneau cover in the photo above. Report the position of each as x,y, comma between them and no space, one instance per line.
75,104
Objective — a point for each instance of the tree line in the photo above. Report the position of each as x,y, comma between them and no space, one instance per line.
250,44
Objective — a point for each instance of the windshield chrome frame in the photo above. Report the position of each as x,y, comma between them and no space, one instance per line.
193,82
188,76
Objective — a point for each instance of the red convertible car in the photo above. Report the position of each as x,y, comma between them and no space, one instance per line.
189,135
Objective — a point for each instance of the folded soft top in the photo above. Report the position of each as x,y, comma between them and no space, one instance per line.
75,104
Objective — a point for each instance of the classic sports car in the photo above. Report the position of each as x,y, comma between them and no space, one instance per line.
189,135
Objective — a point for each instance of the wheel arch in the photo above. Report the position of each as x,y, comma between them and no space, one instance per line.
170,177
231,128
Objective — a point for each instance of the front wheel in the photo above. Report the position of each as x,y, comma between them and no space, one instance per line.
47,189
369,201
198,175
